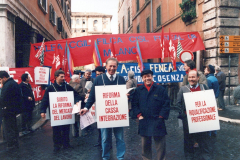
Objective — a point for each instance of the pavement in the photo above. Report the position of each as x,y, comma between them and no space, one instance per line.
39,146
230,114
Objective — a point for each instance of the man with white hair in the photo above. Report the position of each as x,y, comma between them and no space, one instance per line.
221,77
75,84
86,77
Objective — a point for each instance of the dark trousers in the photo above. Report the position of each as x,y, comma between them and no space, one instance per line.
221,103
10,129
203,140
76,128
61,136
26,120
160,143
99,136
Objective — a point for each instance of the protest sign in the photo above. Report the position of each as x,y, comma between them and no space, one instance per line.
76,108
201,108
4,69
61,106
16,74
162,72
92,110
86,120
111,106
41,75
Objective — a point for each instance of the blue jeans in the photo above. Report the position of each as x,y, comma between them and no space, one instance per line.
107,142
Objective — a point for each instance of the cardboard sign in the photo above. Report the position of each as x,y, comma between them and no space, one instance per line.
86,120
111,106
61,106
201,108
41,75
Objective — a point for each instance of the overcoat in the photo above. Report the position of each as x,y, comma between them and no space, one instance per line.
27,92
152,104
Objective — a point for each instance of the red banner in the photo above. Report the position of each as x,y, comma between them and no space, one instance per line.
125,47
16,74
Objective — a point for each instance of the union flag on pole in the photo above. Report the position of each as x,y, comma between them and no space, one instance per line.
172,51
40,53
139,58
96,55
111,46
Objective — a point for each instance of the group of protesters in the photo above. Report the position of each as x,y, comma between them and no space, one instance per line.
149,103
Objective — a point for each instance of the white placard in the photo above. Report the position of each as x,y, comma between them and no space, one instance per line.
86,120
76,108
88,85
111,106
92,110
61,106
201,108
4,69
41,75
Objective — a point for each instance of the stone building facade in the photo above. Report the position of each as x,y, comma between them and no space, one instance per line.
84,24
221,17
125,17
213,18
24,22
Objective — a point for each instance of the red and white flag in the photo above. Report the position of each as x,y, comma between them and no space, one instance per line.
172,51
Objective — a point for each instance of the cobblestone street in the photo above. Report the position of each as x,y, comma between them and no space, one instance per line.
39,145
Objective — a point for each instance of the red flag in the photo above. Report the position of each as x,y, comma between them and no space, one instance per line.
96,55
111,46
56,65
139,57
162,46
172,51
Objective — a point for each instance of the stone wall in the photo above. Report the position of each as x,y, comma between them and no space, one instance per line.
221,17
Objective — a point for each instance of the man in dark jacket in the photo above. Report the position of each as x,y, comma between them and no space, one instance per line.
151,105
28,103
201,138
87,77
10,105
109,78
211,79
221,77
60,133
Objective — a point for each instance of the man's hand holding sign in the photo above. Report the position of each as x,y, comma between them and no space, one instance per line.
111,107
61,98
198,115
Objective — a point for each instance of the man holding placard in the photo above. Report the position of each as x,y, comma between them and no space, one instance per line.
112,108
61,109
200,114
151,105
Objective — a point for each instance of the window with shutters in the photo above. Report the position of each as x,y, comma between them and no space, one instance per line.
148,25
158,12
52,15
137,5
59,24
43,5
128,17
138,28
63,33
